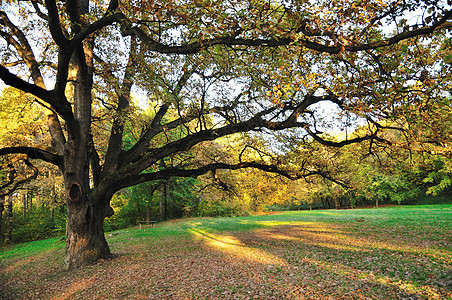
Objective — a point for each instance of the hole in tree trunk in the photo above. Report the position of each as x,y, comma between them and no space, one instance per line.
74,192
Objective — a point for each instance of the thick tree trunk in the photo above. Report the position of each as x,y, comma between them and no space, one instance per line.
85,239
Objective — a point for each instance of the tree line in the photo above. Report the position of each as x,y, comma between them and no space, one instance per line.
354,178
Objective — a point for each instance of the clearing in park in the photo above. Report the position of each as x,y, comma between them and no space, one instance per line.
387,253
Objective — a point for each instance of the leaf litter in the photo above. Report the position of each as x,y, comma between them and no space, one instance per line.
315,260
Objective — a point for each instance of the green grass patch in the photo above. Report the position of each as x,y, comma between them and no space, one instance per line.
417,216
24,250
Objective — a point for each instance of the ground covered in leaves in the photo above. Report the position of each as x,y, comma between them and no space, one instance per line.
391,253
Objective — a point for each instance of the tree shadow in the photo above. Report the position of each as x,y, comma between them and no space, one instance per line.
278,260
328,259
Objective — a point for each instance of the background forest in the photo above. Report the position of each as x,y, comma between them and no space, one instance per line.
357,178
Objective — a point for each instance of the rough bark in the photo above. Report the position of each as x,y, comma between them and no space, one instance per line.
85,239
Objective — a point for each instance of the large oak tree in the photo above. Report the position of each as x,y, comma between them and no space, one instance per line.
210,69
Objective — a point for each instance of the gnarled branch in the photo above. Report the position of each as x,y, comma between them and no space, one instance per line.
12,186
196,172
35,153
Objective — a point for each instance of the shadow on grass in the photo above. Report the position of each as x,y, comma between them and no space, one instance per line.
328,259
392,254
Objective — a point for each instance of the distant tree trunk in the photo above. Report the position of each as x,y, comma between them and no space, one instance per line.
165,200
2,208
161,206
9,220
327,203
164,207
24,202
30,200
376,202
148,212
148,207
138,212
53,196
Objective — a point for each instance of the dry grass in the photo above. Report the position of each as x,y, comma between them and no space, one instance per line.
288,256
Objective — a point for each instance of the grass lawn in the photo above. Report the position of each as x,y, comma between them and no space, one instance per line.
387,253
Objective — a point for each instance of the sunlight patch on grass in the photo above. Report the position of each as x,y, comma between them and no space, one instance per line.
320,234
218,240
231,245
271,223
282,237
410,287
